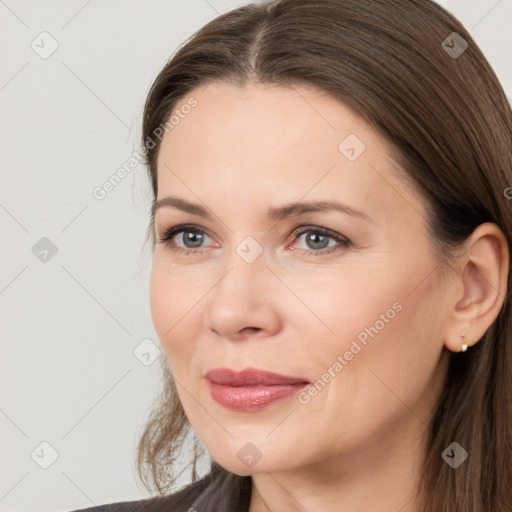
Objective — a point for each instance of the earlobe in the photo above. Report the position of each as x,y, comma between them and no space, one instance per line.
484,273
464,345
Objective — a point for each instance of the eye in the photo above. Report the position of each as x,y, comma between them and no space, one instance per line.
318,239
191,239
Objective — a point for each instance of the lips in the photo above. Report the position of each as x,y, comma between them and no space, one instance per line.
250,389
250,377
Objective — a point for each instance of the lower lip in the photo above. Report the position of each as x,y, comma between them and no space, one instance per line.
251,398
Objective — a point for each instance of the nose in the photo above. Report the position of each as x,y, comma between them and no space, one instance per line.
244,302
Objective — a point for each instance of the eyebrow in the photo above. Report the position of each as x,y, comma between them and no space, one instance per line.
275,214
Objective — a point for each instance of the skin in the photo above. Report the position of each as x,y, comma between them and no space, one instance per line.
357,444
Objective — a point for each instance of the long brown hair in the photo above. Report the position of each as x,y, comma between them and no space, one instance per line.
414,73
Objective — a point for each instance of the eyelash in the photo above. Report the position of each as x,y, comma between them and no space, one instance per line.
170,233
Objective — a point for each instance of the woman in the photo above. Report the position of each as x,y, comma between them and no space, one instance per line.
331,232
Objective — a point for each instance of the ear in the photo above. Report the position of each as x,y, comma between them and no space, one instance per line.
483,276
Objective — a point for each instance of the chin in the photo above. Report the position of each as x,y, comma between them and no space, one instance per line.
250,458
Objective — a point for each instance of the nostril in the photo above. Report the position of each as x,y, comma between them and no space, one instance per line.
251,329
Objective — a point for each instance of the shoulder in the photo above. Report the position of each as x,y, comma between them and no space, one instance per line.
218,490
176,502
154,504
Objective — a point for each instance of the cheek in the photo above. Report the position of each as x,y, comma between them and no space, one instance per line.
390,345
380,381
415,340
160,300
172,310
376,320
355,307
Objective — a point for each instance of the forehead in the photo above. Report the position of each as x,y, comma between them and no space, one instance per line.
274,142
293,120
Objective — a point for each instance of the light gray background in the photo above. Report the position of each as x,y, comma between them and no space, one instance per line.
70,325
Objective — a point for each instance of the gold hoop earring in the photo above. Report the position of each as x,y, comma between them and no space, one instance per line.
464,343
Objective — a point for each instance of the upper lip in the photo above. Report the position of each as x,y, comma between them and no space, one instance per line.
250,377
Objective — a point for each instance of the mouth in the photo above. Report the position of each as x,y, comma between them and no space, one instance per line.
251,389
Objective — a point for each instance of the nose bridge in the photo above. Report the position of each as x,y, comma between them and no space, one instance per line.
250,250
245,267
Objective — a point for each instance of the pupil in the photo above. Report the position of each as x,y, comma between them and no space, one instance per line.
193,237
313,238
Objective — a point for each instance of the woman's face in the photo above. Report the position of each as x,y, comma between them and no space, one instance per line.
358,311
